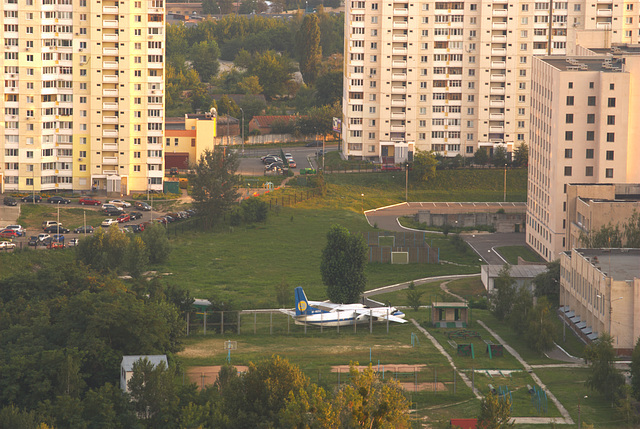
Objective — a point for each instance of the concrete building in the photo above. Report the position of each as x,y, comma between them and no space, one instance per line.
600,292
455,76
126,367
186,138
582,131
522,274
592,206
83,99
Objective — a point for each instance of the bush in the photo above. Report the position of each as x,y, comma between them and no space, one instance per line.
458,243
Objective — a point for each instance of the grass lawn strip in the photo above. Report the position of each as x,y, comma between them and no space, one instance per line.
511,253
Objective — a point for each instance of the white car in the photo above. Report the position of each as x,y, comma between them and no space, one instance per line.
17,228
108,222
5,245
42,237
73,242
120,203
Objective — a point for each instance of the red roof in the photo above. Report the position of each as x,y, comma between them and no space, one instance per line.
267,121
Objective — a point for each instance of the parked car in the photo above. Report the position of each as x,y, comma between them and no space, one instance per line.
73,242
321,152
142,226
317,143
123,218
135,215
89,202
17,228
262,158
33,240
48,223
10,201
58,200
8,233
43,237
274,166
113,212
292,163
56,229
55,245
82,230
132,228
141,205
58,238
120,203
5,245
108,222
271,159
31,198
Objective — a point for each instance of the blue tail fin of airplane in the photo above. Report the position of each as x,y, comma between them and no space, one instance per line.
302,304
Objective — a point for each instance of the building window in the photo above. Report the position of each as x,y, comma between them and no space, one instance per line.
612,86
568,153
567,171
611,102
611,120
589,153
609,155
591,118
611,137
590,136
568,135
608,173
588,171
569,100
591,100
569,118
570,85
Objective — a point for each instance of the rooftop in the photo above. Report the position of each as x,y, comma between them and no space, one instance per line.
128,361
619,264
449,305
589,63
518,271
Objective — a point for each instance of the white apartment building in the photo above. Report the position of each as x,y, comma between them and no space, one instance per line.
582,131
83,95
455,76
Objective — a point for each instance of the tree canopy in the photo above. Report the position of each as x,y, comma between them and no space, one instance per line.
423,168
343,265
604,377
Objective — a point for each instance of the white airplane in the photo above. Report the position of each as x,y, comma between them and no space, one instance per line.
330,314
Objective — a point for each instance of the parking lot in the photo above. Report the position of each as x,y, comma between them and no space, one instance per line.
305,157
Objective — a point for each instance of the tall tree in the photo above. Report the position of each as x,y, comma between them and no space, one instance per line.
273,71
157,243
343,265
309,48
423,168
481,157
153,393
215,183
635,370
608,236
521,155
604,377
329,87
522,305
495,413
548,283
204,58
503,294
500,156
541,331
632,230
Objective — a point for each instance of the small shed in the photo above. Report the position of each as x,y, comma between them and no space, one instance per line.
449,314
522,274
126,367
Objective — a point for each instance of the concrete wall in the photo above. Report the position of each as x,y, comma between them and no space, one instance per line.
503,222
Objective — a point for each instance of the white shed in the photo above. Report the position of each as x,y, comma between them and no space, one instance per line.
522,274
126,367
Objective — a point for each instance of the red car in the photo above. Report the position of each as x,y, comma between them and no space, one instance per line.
9,233
89,201
124,218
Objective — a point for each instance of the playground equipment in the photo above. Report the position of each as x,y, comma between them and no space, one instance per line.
492,350
463,334
228,346
538,399
414,340
463,349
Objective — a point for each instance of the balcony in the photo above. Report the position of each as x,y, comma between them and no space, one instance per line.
157,79
401,24
156,173
110,23
498,64
110,9
399,103
497,91
400,38
110,37
496,129
398,128
109,119
398,115
498,77
499,39
110,51
399,76
109,92
110,172
604,12
500,12
112,147
110,78
110,65
496,103
110,105
401,12
499,25
398,89
498,51
109,133
399,51
496,116
398,63
110,160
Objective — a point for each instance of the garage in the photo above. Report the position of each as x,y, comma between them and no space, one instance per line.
179,160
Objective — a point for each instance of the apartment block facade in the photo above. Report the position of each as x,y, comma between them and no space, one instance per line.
83,99
455,76
582,131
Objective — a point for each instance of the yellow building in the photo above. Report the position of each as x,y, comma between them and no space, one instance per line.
186,138
83,98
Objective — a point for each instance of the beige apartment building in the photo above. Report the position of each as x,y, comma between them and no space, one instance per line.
188,137
455,76
582,131
600,292
83,95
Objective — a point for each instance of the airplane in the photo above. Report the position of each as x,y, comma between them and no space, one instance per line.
330,314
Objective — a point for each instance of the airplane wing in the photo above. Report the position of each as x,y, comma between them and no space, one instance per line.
288,312
380,315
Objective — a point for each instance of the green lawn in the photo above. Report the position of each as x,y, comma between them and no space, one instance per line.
511,253
32,216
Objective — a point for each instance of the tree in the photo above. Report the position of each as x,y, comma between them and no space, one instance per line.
329,88
309,48
209,7
215,183
500,156
204,59
521,155
503,294
632,230
481,157
104,250
541,331
495,412
604,377
343,264
608,236
155,239
423,168
137,257
413,296
366,401
522,305
250,85
548,283
635,370
153,393
273,72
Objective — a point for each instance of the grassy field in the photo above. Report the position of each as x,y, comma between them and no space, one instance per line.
511,253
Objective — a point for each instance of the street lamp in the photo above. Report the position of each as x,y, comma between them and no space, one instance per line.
242,129
505,183
579,414
406,182
362,195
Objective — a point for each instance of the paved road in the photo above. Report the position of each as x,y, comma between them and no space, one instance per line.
485,244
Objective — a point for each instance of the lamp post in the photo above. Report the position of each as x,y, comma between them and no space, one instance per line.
505,183
362,195
406,182
579,414
242,129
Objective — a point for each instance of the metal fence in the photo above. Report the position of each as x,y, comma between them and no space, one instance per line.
383,244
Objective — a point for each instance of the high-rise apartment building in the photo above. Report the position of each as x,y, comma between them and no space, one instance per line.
583,131
83,95
455,76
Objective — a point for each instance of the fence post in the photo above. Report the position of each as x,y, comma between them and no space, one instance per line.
204,323
370,321
435,384
239,323
222,322
188,314
270,323
255,316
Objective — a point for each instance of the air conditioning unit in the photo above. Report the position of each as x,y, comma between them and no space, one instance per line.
28,49
80,50
153,92
13,75
79,159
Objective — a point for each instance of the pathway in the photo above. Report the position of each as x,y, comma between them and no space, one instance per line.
405,285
